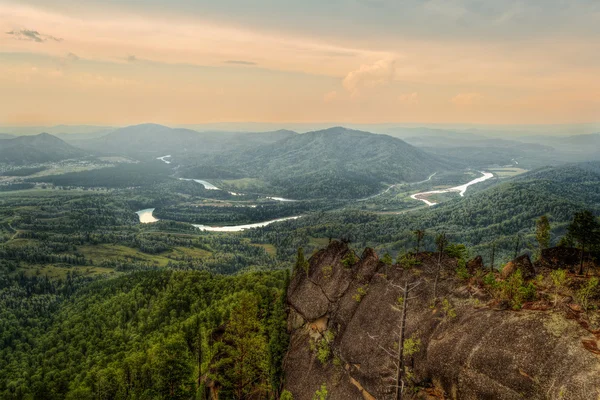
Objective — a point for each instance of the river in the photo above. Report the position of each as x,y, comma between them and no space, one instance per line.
460,189
163,159
238,228
393,186
146,216
207,185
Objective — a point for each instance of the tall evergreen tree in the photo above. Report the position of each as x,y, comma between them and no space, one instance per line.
585,229
542,233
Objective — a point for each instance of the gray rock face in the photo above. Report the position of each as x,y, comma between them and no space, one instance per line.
467,350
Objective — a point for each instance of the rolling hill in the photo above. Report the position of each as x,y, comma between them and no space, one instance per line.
335,162
153,140
36,149
496,214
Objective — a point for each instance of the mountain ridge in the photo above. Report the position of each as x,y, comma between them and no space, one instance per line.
334,160
36,149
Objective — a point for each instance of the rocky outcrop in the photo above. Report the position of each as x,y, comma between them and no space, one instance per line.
522,263
475,265
565,258
343,323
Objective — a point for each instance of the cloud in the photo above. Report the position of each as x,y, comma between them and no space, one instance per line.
409,98
330,96
72,57
466,99
240,62
369,75
66,61
32,36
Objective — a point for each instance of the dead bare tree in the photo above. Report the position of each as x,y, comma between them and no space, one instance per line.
441,241
420,234
397,355
493,255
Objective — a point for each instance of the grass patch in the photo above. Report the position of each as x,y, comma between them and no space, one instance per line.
319,243
60,272
98,253
243,185
507,172
269,248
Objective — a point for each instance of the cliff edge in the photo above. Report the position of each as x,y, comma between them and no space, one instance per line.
466,342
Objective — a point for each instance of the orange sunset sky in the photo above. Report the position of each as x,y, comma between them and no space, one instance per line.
355,61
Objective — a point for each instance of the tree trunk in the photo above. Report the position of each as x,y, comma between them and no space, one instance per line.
400,371
493,255
437,274
581,259
199,344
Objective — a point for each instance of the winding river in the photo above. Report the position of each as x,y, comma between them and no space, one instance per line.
146,217
238,228
460,189
163,159
207,185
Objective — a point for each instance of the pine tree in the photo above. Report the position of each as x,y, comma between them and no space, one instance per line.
542,233
585,229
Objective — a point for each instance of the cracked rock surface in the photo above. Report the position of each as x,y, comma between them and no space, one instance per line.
480,353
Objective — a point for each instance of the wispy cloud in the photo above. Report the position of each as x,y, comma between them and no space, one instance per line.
409,98
466,99
240,62
33,36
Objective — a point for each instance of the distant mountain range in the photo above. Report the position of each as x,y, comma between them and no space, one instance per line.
152,140
36,149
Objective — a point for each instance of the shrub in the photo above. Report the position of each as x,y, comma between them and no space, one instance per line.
490,280
587,292
323,352
408,260
321,394
350,259
323,346
327,271
412,346
387,259
448,310
360,293
516,291
461,271
286,395
560,280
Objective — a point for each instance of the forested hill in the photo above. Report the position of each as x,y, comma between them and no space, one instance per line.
493,215
335,162
147,335
158,140
36,149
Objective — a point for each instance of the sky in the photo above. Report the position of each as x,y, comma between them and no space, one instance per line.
110,62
